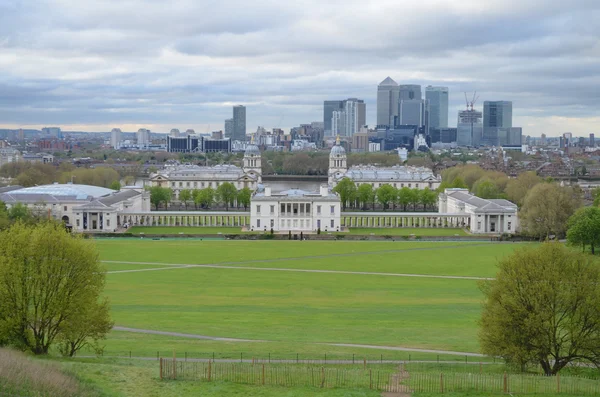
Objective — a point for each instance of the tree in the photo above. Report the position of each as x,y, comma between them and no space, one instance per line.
4,218
115,185
160,195
365,195
227,193
517,188
185,195
51,281
347,191
547,208
386,194
428,197
584,228
244,196
206,197
129,180
486,189
596,196
543,308
404,197
414,197
458,183
87,328
19,212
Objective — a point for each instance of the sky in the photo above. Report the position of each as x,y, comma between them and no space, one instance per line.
95,65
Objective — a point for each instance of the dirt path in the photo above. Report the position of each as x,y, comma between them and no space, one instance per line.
396,388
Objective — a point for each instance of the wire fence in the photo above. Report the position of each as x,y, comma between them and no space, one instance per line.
381,378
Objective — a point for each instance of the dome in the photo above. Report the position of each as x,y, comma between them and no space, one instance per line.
72,190
337,150
252,149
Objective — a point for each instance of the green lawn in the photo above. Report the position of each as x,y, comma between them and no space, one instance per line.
296,310
165,230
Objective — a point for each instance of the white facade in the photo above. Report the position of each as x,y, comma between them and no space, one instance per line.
295,210
9,155
487,216
116,138
143,137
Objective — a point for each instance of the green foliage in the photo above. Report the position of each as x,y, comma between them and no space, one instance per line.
204,197
458,183
486,189
596,196
365,194
404,197
584,228
115,185
226,192
160,195
547,208
51,286
543,308
243,197
517,188
427,197
19,212
347,191
185,195
386,194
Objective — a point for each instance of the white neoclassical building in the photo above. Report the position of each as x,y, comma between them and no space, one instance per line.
492,216
185,176
397,176
84,207
295,210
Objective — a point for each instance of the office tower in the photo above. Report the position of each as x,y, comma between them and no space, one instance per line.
443,135
338,122
143,137
410,92
239,123
360,142
543,140
355,112
469,129
174,133
116,138
592,140
496,114
413,112
55,132
387,102
438,106
568,139
229,128
328,108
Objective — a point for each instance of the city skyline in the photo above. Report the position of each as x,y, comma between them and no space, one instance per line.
95,68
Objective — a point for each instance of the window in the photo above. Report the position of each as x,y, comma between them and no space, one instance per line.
478,225
509,225
195,184
77,222
318,210
180,184
409,185
172,184
187,184
272,209
282,209
65,208
308,208
318,223
202,184
402,185
108,222
333,209
258,209
417,185
258,223
332,223
272,223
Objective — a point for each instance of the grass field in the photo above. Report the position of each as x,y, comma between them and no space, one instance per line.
167,230
294,307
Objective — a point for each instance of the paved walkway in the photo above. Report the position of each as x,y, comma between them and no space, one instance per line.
388,348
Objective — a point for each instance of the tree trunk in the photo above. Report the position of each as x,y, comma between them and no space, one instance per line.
593,251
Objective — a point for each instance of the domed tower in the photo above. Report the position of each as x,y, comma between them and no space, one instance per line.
252,160
337,162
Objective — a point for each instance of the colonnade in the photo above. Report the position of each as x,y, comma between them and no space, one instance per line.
232,219
406,220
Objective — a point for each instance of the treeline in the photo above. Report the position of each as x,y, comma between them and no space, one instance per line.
32,174
317,163
19,213
386,196
226,195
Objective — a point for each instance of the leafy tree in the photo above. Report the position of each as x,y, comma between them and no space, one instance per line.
206,198
486,188
365,195
517,188
19,212
115,185
415,197
347,191
4,218
543,308
87,328
185,195
596,196
227,193
427,197
386,194
244,196
160,195
129,180
403,197
547,208
458,183
584,228
51,281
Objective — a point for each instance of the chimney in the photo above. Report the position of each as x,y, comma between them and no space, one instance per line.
324,190
267,191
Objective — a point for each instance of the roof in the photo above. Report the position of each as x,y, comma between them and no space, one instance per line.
296,195
7,189
389,82
390,174
482,205
195,172
66,191
252,149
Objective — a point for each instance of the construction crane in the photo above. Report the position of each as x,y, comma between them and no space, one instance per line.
471,103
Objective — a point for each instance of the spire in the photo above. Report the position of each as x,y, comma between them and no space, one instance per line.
252,139
337,140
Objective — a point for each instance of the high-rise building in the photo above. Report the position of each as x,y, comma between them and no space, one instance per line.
387,102
496,114
52,131
229,128
592,140
116,138
568,139
360,142
355,112
338,122
174,132
143,137
413,112
469,129
543,143
410,92
239,123
438,106
328,108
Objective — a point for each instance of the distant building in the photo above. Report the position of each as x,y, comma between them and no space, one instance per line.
116,137
494,216
328,108
592,140
438,106
338,123
217,135
9,155
229,128
196,143
496,114
55,132
348,116
443,135
239,123
360,142
174,132
388,93
410,92
143,137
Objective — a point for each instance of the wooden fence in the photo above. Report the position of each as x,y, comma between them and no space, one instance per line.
381,379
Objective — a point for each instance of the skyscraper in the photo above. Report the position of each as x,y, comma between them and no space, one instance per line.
410,92
338,122
469,129
387,102
328,108
413,112
438,106
143,137
115,138
229,128
592,140
496,114
239,123
355,110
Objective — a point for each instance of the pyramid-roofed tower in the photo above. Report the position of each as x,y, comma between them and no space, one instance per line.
388,82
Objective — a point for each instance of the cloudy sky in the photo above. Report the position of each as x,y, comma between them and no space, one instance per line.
98,64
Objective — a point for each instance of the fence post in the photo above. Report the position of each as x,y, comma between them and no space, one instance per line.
381,359
370,378
325,358
353,359
409,357
558,383
296,358
438,358
465,359
263,375
241,357
269,358
364,363
161,368
174,365
209,370
505,383
441,382
157,355
129,353
186,356
322,377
